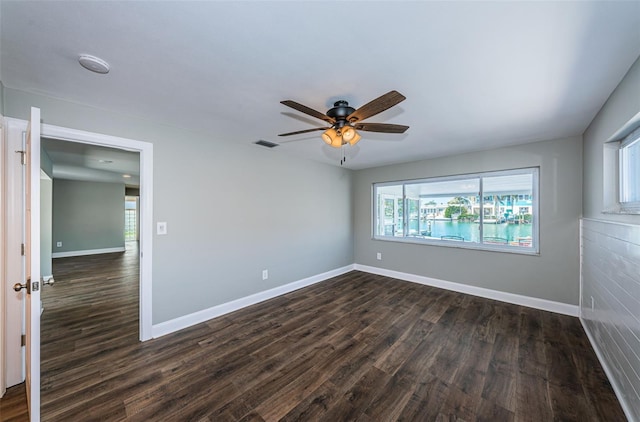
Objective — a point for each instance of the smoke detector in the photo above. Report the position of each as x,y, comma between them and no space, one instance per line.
93,63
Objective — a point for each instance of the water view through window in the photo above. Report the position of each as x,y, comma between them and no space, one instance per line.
470,232
496,210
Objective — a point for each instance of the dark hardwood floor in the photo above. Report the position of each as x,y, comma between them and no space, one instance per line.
356,347
13,405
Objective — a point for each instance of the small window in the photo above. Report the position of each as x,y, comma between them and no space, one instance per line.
130,219
493,211
629,165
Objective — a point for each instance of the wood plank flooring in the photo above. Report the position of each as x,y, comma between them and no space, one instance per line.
13,405
356,347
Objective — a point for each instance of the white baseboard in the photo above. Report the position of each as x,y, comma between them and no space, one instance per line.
531,302
167,327
87,252
622,398
182,322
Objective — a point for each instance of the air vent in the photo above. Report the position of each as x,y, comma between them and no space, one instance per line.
266,144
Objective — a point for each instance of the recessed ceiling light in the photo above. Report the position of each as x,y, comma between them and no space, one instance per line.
126,176
93,63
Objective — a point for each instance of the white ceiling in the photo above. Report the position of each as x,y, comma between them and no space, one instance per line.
477,75
77,161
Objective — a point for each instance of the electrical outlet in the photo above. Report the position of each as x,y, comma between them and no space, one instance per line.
379,256
58,244
265,274
593,303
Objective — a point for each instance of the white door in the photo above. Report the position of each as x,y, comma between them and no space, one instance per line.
32,283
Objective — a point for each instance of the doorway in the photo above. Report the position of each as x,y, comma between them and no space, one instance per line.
14,131
145,203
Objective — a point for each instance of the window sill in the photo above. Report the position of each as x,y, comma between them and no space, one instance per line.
462,245
622,211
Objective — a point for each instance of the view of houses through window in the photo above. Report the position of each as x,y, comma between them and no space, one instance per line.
494,210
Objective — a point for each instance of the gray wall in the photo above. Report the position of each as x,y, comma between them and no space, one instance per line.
622,105
46,214
45,163
553,275
87,215
611,251
232,208
46,225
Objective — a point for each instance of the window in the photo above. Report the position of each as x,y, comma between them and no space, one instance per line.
495,211
629,180
130,219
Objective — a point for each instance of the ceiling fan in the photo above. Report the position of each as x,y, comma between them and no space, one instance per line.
346,120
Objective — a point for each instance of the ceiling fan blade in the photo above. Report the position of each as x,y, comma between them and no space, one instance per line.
303,131
376,106
381,127
306,110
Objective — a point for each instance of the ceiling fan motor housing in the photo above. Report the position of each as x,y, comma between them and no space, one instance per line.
340,110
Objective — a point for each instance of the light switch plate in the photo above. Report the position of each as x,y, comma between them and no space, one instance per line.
161,227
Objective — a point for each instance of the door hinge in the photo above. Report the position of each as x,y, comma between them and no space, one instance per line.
23,340
35,286
23,155
22,249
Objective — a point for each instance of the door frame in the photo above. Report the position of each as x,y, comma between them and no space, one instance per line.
145,149
3,380
13,130
13,307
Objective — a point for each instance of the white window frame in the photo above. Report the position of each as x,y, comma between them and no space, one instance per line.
534,249
625,185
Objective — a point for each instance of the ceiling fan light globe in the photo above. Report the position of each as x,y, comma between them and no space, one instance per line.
336,142
355,139
332,137
327,136
348,133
